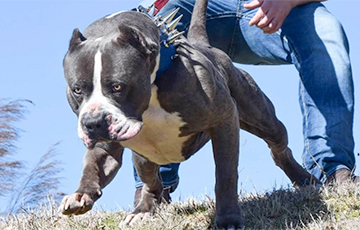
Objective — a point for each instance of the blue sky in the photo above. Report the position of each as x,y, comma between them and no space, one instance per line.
34,39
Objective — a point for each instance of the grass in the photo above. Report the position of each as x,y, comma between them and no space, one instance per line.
331,207
20,185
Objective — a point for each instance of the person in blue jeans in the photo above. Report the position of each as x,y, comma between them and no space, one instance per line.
299,32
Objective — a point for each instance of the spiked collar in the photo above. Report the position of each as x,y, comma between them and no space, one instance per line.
168,35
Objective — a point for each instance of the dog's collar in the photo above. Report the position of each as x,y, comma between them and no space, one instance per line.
168,35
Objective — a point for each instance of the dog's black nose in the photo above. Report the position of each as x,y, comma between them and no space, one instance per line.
95,125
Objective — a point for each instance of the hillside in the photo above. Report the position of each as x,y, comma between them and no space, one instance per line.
307,208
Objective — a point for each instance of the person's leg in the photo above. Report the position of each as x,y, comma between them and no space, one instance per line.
326,89
169,175
315,42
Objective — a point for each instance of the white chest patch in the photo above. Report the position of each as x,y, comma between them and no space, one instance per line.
159,139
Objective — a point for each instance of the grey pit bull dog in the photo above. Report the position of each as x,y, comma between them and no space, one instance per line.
121,103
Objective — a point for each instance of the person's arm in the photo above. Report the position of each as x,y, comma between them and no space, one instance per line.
272,13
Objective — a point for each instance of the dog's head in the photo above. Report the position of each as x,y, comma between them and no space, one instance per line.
109,77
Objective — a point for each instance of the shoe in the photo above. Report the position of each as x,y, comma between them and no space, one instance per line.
165,195
341,176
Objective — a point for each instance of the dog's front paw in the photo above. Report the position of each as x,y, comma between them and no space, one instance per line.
76,204
135,218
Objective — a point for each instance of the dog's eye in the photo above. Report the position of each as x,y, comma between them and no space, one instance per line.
77,90
116,88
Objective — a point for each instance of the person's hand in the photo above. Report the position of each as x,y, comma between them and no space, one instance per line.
271,14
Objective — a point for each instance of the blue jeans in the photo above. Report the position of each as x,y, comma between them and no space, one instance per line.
314,41
169,176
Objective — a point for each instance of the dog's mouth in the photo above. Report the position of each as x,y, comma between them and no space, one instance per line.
124,130
115,130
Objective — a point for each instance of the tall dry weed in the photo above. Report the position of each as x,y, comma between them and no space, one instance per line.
23,187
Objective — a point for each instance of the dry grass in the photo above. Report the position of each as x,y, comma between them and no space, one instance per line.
20,185
10,112
329,208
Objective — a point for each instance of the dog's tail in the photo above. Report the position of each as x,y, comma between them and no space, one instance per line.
197,31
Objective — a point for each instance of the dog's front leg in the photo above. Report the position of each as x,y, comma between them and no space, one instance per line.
225,141
100,165
151,191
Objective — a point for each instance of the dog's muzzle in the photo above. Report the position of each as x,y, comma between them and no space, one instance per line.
102,126
95,125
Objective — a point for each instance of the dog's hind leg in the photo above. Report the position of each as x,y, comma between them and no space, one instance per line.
257,115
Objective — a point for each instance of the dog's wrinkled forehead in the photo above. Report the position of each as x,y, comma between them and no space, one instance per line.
79,67
116,61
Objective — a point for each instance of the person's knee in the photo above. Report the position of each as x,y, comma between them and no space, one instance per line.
329,29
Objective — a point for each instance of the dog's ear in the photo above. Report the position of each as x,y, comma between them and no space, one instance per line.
132,36
76,39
